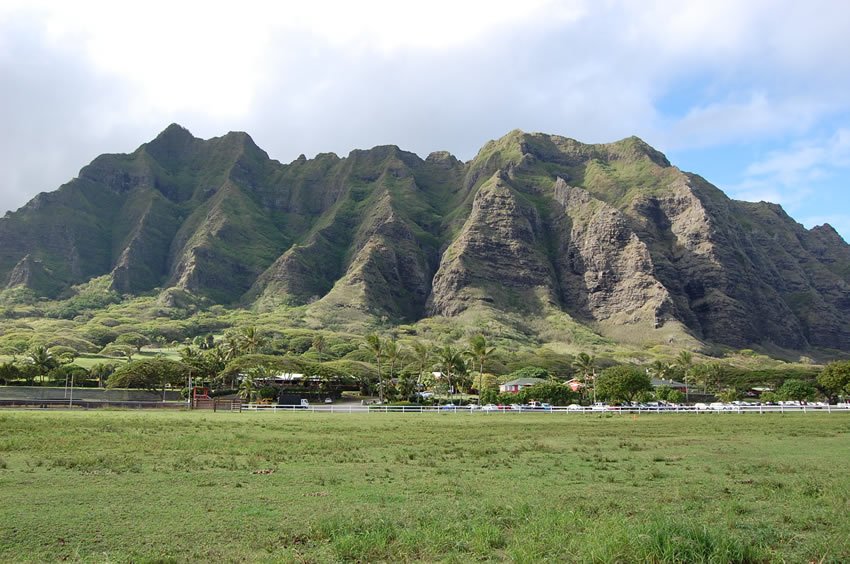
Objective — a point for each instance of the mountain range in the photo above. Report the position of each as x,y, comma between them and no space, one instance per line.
611,236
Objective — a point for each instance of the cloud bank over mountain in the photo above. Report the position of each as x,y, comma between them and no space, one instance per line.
723,87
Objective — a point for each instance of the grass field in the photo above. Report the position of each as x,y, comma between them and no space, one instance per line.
119,486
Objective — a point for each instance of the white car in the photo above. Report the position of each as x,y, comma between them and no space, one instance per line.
490,407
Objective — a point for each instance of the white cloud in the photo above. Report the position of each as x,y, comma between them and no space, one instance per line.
211,57
743,121
806,160
790,177
449,74
767,190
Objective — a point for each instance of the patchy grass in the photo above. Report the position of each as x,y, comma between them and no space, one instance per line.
130,486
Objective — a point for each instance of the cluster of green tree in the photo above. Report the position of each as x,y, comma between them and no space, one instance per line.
834,380
551,392
90,300
153,374
236,362
396,370
52,366
628,383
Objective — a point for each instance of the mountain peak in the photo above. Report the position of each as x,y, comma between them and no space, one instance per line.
173,141
239,136
174,131
828,231
633,146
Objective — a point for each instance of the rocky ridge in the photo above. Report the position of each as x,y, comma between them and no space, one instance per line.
612,235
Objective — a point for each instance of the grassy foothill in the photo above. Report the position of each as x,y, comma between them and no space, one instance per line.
137,486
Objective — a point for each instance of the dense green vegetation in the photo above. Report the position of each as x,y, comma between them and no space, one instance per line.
398,363
123,486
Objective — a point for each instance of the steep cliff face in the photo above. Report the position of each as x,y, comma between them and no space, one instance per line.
375,247
388,274
612,234
607,271
496,258
145,228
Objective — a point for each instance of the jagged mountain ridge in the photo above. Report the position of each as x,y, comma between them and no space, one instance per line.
612,234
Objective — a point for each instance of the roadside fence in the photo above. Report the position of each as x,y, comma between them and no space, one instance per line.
23,403
583,410
231,405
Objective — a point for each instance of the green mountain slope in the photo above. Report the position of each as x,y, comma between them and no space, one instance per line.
537,226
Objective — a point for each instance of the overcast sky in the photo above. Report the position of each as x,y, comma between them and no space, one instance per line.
753,95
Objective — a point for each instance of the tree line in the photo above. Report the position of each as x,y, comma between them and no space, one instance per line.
396,370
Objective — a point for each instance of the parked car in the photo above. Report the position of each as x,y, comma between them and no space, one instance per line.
536,405
490,407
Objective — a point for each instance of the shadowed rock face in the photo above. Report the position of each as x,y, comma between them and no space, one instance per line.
496,255
606,269
611,234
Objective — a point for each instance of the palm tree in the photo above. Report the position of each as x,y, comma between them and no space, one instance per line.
422,358
392,352
189,354
448,358
461,373
478,350
246,386
101,372
231,346
251,340
684,361
374,345
660,370
586,366
213,362
41,358
191,357
319,345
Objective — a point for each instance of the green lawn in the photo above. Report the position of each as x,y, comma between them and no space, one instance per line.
120,486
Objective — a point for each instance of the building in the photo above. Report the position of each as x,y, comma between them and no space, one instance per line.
515,386
659,382
575,384
279,379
